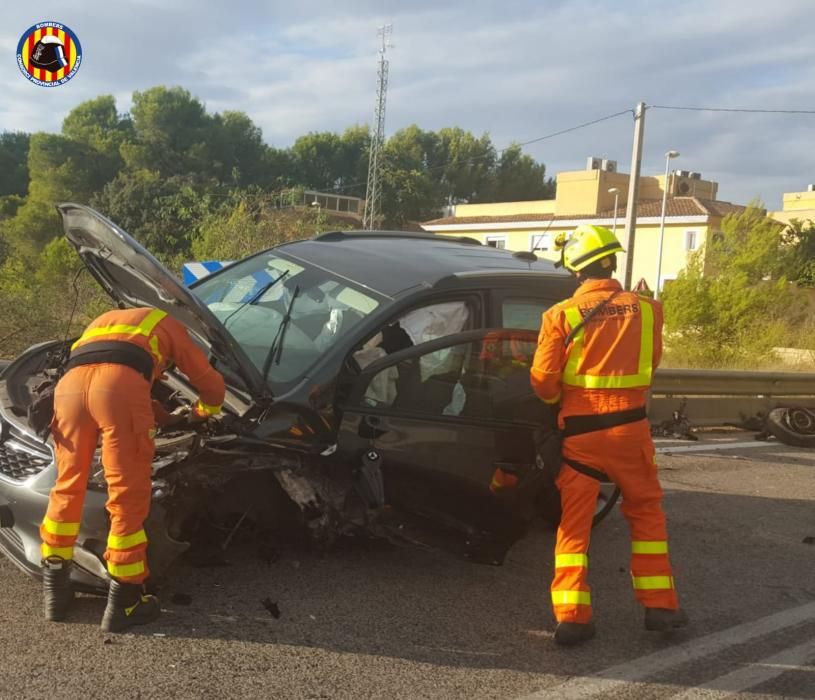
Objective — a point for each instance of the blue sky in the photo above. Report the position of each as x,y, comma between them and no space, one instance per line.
517,69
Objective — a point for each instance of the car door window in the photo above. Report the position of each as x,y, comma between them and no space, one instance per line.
483,378
518,312
415,327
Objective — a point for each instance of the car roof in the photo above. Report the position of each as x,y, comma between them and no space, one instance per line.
392,262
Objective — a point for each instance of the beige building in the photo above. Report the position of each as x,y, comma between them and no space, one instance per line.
587,197
797,205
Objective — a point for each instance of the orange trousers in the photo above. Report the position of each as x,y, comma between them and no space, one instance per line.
626,453
112,401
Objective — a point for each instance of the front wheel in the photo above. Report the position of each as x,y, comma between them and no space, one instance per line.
549,504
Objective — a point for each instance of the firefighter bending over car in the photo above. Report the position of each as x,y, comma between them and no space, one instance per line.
596,355
106,391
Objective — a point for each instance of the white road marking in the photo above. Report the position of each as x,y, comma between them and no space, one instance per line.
754,674
639,669
713,447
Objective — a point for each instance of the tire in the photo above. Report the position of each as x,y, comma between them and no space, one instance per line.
549,504
792,426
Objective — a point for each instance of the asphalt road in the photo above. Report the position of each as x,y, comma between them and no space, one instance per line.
404,623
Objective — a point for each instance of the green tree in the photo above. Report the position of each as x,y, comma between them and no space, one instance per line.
96,124
461,165
252,225
799,246
162,214
517,177
171,128
13,163
732,304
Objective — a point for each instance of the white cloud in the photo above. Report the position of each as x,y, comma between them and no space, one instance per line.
517,69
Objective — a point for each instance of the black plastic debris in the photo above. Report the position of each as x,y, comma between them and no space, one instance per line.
271,607
808,540
678,426
181,599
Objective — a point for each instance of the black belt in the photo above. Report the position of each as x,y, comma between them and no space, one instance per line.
578,425
117,352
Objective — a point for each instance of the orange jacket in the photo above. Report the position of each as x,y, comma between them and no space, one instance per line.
608,365
167,341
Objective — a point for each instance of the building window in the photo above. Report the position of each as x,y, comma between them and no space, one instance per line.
540,241
691,240
497,241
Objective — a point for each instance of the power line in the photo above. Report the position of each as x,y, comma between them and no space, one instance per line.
573,128
506,148
748,110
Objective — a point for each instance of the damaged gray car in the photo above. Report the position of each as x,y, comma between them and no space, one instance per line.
377,386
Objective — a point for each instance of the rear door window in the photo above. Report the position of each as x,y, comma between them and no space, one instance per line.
525,313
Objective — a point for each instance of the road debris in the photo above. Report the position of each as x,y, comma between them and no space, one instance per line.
271,607
677,427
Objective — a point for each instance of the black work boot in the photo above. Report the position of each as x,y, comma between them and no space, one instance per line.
128,606
567,634
664,620
56,587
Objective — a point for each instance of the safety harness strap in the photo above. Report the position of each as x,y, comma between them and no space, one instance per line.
118,352
587,470
579,425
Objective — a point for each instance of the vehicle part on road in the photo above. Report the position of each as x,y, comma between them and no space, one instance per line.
793,426
271,607
678,427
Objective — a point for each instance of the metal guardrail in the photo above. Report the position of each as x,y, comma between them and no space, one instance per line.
726,397
711,382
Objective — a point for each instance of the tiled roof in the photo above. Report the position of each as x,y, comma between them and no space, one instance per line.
676,207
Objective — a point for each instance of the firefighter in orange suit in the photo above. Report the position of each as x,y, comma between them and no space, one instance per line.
106,391
596,355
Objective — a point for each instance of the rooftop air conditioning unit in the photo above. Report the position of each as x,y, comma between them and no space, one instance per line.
683,173
810,188
593,163
610,166
696,176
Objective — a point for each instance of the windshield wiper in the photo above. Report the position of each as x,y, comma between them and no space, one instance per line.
257,295
276,348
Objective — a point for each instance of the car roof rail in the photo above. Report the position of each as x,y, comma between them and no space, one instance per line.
419,235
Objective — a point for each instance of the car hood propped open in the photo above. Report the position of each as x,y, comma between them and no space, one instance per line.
133,277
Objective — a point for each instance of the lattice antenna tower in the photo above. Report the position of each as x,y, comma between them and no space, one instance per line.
373,192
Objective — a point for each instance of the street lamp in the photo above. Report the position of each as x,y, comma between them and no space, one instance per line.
668,156
616,192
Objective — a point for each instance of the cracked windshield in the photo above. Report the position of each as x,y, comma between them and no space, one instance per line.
283,314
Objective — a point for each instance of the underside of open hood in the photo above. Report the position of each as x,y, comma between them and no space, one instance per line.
133,277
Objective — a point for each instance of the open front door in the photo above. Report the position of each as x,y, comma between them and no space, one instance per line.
453,423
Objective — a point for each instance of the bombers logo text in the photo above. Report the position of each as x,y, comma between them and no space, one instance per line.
49,54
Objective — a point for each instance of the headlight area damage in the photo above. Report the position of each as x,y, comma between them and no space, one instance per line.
211,483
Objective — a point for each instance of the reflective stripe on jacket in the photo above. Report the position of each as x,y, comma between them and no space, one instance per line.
167,341
609,363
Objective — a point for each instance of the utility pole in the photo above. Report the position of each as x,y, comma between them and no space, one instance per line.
373,192
627,269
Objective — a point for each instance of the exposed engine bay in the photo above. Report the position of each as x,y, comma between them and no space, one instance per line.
213,480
